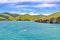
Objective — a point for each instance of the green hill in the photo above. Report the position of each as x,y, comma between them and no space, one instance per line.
8,16
53,18
26,17
38,16
54,15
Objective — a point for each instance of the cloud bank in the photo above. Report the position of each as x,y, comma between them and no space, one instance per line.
36,6
31,3
10,1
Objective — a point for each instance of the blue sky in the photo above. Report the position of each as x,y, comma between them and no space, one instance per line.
30,6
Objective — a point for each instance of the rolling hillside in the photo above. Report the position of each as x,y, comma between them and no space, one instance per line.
15,17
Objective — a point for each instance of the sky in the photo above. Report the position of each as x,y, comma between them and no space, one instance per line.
30,6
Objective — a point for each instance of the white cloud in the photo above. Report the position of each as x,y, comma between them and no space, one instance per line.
32,13
18,6
39,5
46,14
3,1
13,1
29,14
9,1
46,5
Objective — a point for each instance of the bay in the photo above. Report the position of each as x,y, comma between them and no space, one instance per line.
28,30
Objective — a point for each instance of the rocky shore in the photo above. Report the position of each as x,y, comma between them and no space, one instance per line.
51,20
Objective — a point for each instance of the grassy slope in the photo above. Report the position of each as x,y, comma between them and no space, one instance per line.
26,17
29,17
54,15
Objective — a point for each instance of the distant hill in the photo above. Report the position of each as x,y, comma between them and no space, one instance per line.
6,15
26,17
54,15
53,18
15,17
38,16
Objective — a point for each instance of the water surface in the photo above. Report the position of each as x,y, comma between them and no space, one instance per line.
28,30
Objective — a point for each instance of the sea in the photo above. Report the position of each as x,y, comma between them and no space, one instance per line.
28,30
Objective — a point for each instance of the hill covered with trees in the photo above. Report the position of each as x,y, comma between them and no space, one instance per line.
52,18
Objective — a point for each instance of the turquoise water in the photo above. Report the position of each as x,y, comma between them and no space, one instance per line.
28,30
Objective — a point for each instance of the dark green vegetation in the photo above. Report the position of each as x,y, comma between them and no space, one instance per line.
53,18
